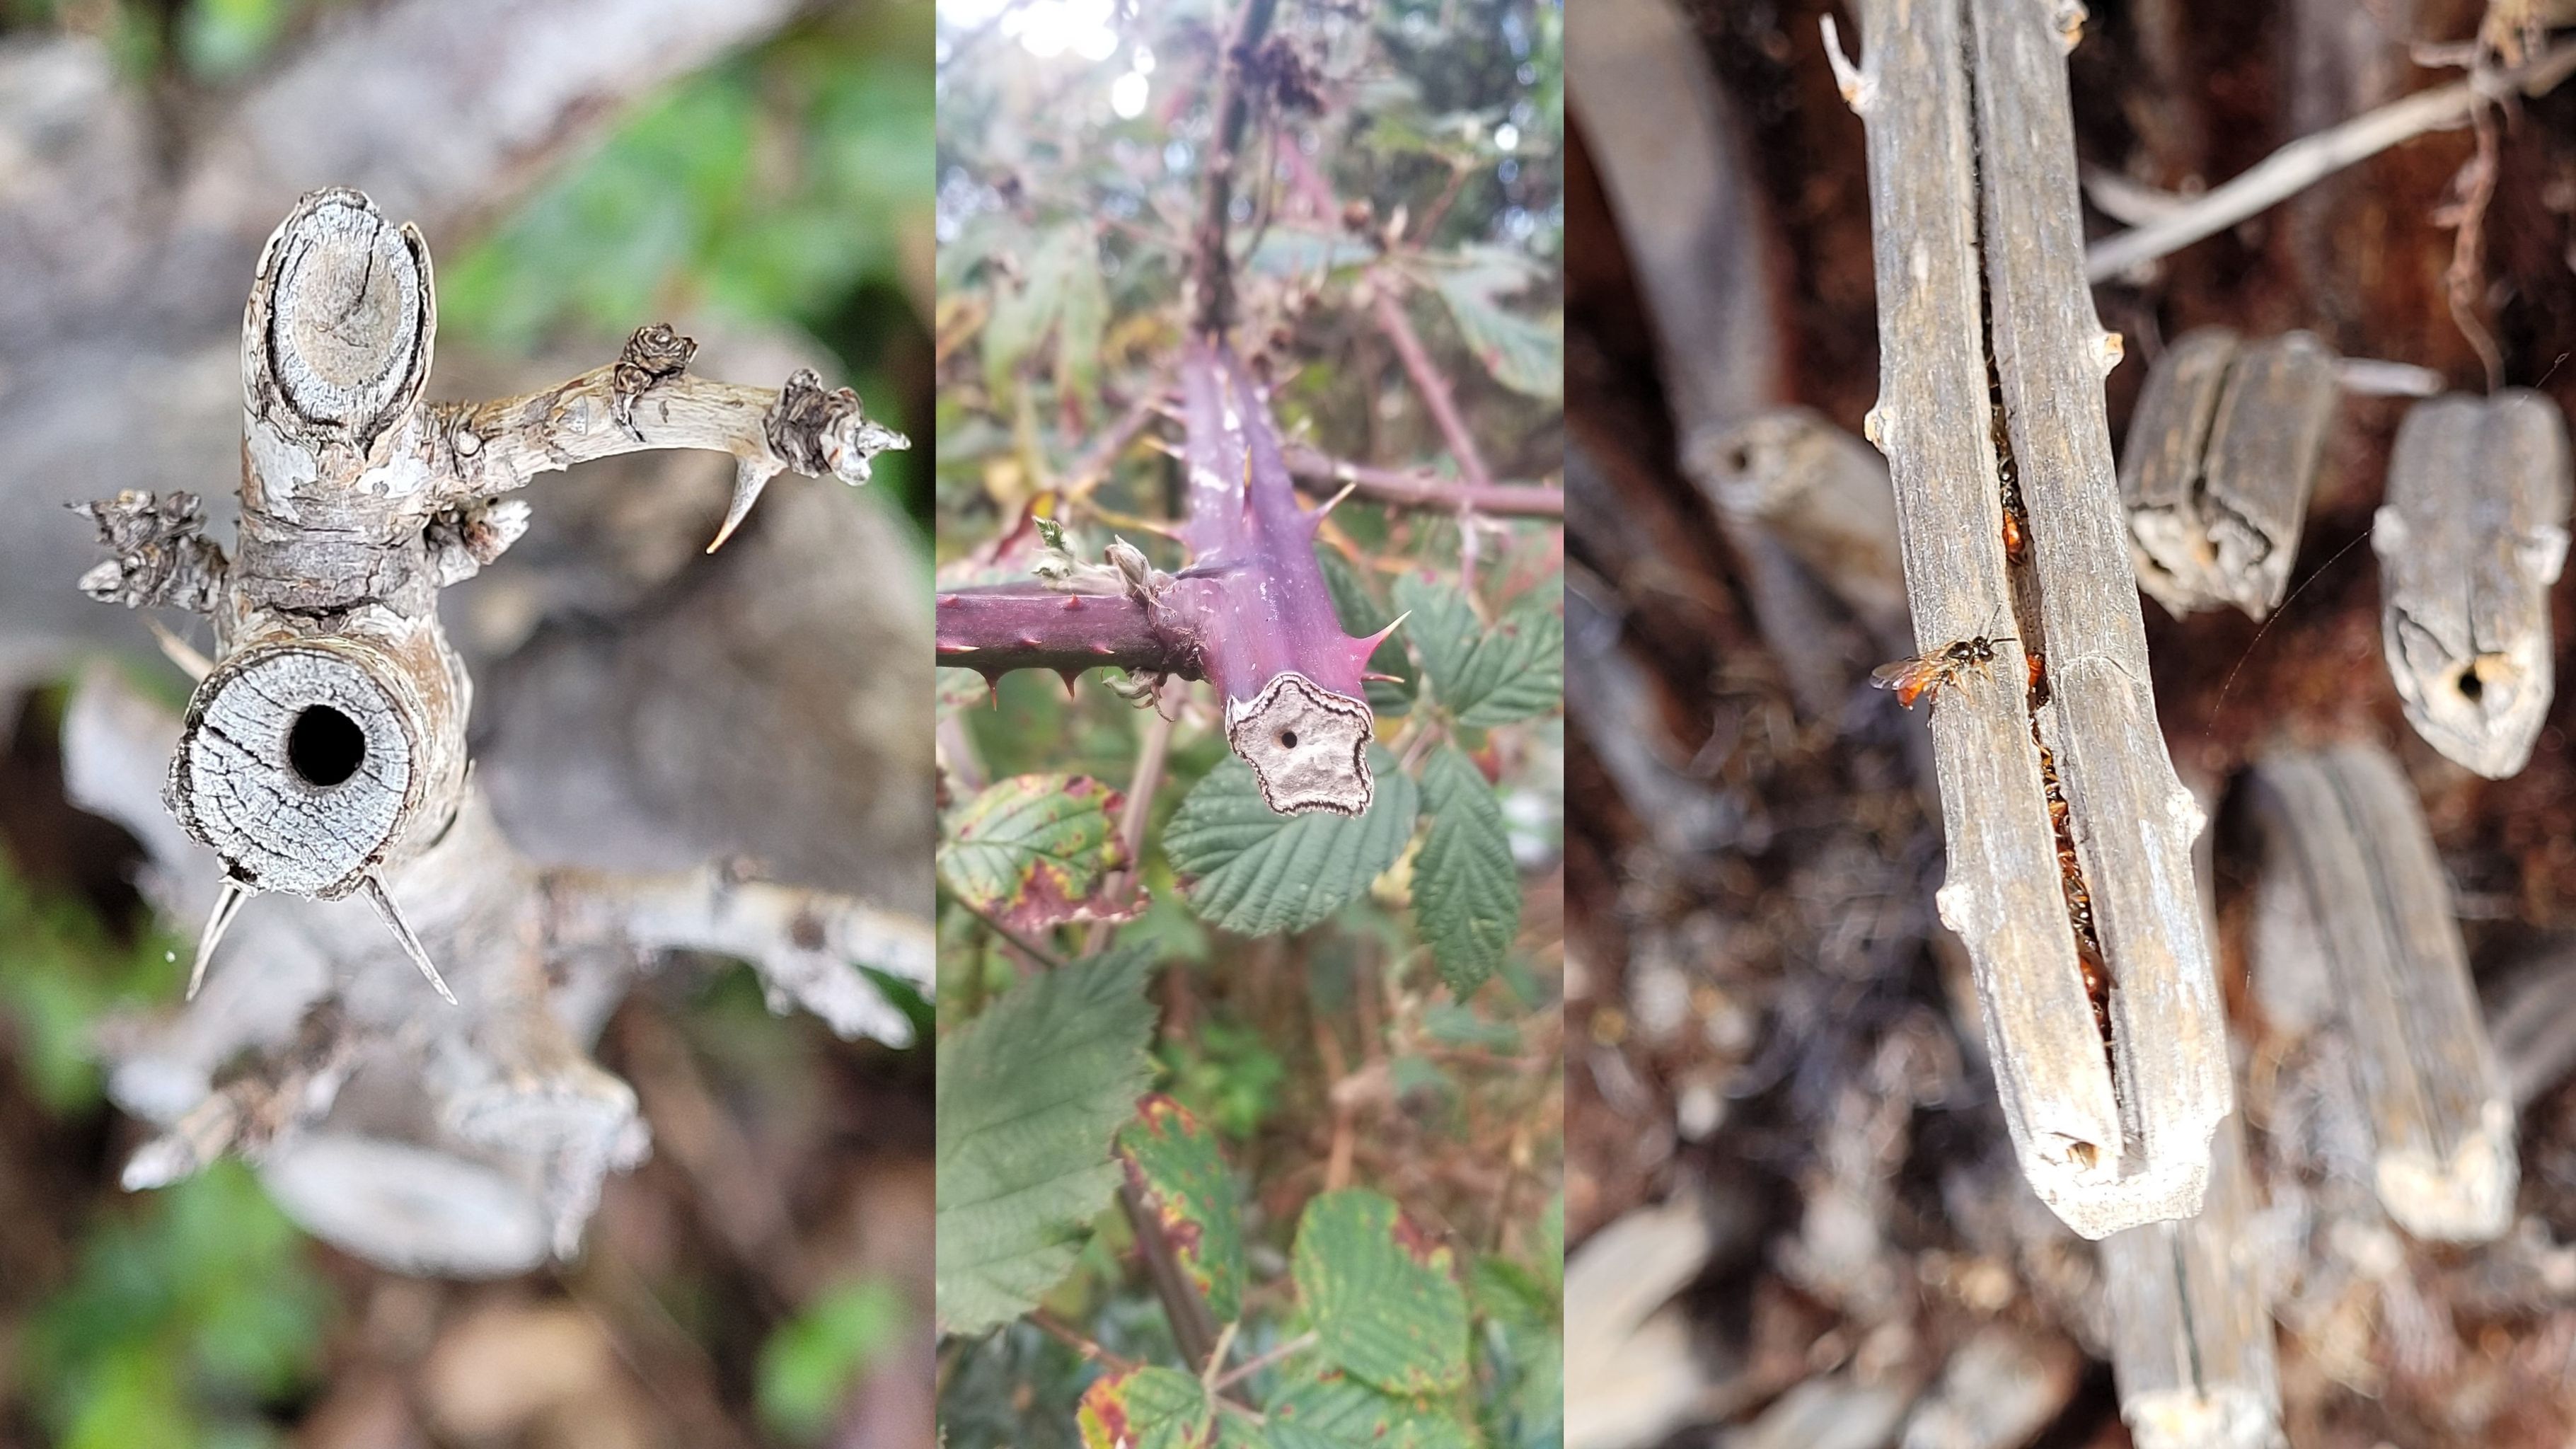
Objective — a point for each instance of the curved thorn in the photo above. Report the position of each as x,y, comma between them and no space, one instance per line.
228,904
179,651
392,918
749,478
1316,518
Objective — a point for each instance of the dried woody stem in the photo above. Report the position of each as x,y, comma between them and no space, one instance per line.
327,746
322,756
2355,933
2069,836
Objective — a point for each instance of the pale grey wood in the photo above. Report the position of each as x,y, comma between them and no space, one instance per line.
2472,535
2532,1022
2133,821
2264,449
2161,469
2222,457
1688,202
2343,827
358,504
233,786
2191,1329
1998,1391
492,1113
2110,1131
2003,895
1823,494
1690,211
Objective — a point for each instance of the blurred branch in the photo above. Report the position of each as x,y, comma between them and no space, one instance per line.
1211,268
1387,305
2312,158
1419,488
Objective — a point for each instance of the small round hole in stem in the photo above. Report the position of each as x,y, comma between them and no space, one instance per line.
1288,739
325,747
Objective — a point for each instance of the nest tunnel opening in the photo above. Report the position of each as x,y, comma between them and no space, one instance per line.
324,747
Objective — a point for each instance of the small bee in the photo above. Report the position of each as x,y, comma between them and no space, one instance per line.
1923,675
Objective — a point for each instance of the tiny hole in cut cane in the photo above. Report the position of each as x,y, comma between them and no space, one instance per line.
1288,739
325,747
2471,686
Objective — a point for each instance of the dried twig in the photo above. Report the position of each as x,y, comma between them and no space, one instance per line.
2356,927
2191,1327
2223,452
2069,836
2310,159
2472,536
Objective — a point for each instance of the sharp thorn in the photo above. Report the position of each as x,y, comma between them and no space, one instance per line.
1317,517
179,651
748,479
393,920
228,904
1368,646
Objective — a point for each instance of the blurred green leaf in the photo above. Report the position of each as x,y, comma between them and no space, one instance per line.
59,974
811,1362
180,1320
1034,851
1030,1095
220,39
1061,292
1226,1071
1385,1304
1466,894
1525,355
1146,1408
1332,1408
1258,873
1486,676
1174,1162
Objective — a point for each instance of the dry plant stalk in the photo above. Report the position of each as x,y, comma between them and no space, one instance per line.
2354,928
2069,836
2473,534
2222,455
322,756
325,747
470,1142
2191,1322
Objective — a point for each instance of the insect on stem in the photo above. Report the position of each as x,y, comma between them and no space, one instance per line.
1925,675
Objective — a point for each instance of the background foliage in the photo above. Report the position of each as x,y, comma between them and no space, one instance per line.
1349,1027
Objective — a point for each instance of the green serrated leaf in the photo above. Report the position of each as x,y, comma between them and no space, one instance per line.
1257,873
1385,1305
1524,354
1146,1408
1035,851
1030,1095
1466,894
1175,1164
1484,676
1333,1410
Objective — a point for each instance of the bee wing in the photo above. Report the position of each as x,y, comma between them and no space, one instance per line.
1899,674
